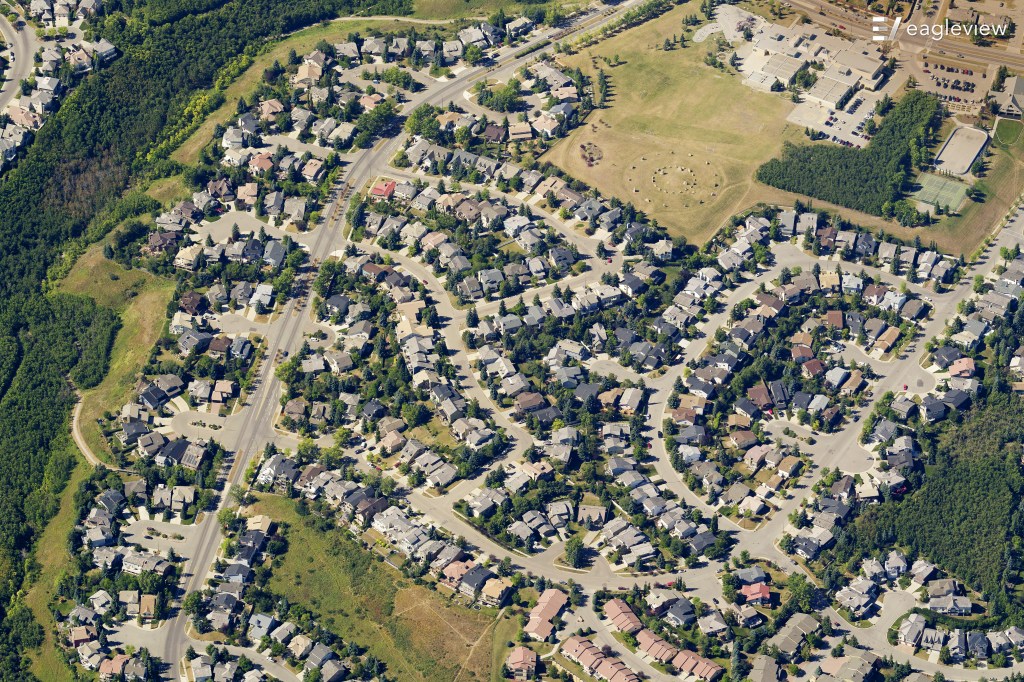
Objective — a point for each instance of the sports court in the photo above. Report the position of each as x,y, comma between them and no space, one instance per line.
960,150
940,191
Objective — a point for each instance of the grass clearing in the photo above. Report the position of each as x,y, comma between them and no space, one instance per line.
141,300
435,433
1008,131
167,190
302,42
52,554
418,633
505,630
679,139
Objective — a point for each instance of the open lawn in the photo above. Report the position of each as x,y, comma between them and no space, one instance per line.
1008,131
168,190
434,433
679,139
416,632
302,42
141,300
52,555
505,630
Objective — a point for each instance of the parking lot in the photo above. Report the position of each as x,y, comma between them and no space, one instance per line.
961,87
843,126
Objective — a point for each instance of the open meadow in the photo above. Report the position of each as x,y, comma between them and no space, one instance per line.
680,139
140,299
415,631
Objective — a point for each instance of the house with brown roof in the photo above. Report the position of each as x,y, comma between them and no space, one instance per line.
522,663
813,368
622,617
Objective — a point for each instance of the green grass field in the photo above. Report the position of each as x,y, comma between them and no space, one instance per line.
52,554
505,630
460,9
416,632
679,139
940,191
169,190
141,300
1008,131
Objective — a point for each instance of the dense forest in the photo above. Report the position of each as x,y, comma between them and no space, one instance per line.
871,179
966,514
82,161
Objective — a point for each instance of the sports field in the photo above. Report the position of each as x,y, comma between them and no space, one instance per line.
679,139
939,191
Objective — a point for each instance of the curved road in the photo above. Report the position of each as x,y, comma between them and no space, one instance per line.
24,44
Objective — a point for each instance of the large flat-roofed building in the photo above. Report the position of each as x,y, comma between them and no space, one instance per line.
783,67
830,93
864,60
780,52
834,86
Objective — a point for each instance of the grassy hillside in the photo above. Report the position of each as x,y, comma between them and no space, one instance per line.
140,299
419,634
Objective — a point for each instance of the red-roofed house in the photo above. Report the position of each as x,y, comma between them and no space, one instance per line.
622,617
756,594
383,191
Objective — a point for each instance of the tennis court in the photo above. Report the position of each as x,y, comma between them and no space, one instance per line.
940,191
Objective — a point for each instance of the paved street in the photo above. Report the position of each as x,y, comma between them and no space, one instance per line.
23,45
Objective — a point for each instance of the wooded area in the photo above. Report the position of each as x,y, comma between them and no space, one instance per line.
865,179
967,511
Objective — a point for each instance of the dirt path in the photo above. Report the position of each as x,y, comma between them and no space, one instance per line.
83,447
76,433
487,630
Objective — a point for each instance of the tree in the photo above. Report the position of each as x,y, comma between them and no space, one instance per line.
574,551
473,55
192,603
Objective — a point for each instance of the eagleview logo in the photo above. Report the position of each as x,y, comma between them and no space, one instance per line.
881,31
879,28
